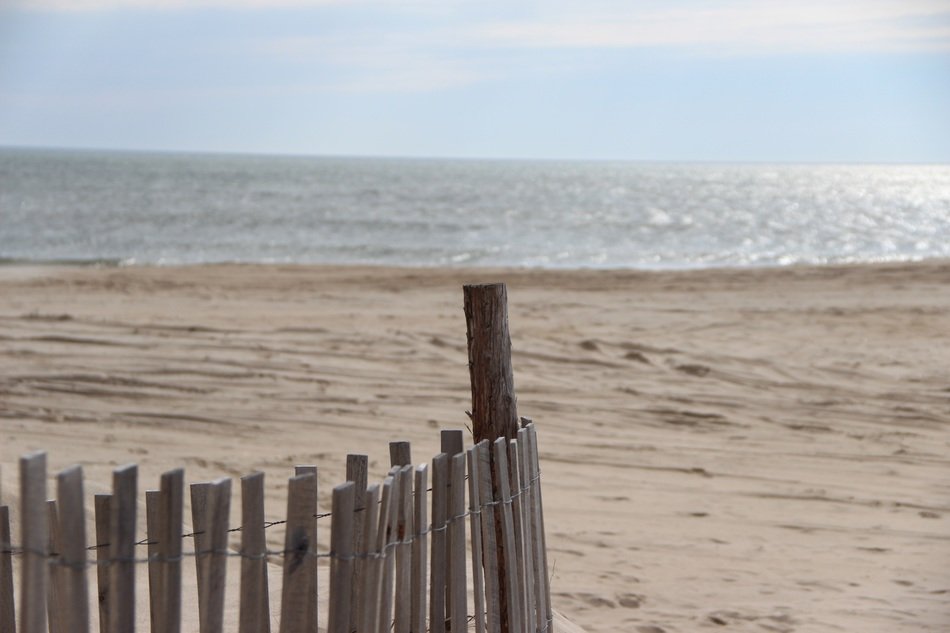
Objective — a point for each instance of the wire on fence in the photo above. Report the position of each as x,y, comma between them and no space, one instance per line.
56,559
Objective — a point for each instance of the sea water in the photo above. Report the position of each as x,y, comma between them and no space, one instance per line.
159,208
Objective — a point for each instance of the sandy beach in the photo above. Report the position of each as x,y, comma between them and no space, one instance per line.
741,450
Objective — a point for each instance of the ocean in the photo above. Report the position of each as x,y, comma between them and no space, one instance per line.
163,208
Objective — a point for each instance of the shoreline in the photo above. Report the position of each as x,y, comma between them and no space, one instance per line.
109,263
761,447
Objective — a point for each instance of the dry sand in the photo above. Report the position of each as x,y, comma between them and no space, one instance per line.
735,450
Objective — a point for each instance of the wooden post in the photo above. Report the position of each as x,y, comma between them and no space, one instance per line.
255,603
299,550
103,508
357,467
494,405
7,604
75,592
341,560
34,539
171,498
313,609
122,550
419,552
494,408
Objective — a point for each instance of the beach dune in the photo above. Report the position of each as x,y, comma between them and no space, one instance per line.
744,450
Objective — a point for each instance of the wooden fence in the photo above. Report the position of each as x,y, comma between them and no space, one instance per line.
443,547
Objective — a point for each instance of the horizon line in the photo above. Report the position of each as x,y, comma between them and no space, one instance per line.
513,159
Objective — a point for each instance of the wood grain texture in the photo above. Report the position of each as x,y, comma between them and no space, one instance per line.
215,575
313,608
494,405
456,546
475,518
357,469
438,541
510,606
299,549
403,553
72,522
152,502
34,538
7,604
254,612
170,516
369,592
122,548
54,590
419,550
103,509
341,557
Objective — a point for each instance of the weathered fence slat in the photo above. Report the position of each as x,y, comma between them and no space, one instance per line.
377,502
507,534
254,616
122,549
35,541
357,467
388,571
452,442
403,581
199,529
313,610
341,562
437,581
299,550
489,538
7,605
514,480
458,605
474,510
400,453
170,515
103,509
152,502
54,601
419,551
527,502
541,552
72,524
369,591
215,562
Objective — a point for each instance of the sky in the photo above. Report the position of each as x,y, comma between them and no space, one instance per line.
681,80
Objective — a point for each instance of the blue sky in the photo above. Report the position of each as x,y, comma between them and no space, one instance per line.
741,80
